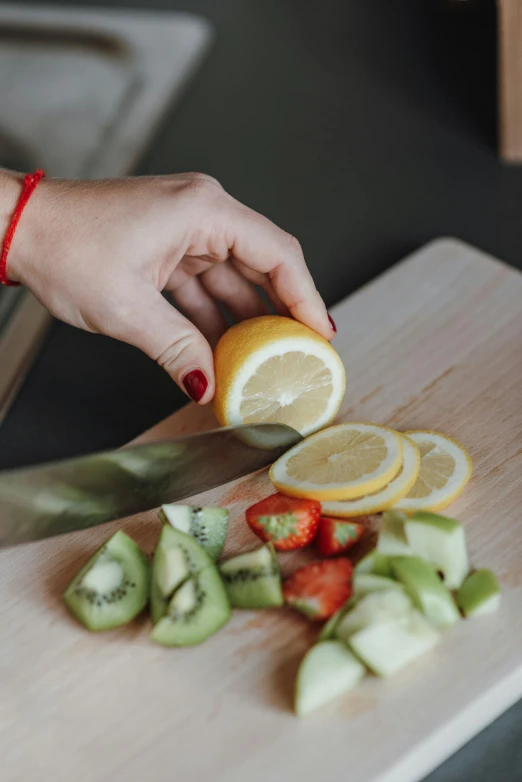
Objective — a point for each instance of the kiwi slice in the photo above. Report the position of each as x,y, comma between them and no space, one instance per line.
327,670
253,580
207,525
112,588
177,557
197,610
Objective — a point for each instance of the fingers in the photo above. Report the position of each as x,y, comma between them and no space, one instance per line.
174,342
263,247
194,300
224,283
257,278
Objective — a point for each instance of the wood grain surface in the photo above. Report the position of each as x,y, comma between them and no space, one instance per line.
510,79
434,343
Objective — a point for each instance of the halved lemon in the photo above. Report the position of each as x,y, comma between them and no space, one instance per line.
341,462
384,498
445,469
274,369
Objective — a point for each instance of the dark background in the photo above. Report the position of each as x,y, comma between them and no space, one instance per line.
365,128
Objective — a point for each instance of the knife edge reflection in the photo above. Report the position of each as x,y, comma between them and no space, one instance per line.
52,499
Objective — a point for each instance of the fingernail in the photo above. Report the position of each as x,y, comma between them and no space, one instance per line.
332,323
196,384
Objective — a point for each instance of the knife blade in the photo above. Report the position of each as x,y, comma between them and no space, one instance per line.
51,499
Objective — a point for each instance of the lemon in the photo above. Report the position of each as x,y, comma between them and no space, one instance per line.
341,462
384,498
276,370
445,469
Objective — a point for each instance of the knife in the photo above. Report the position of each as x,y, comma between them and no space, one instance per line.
39,502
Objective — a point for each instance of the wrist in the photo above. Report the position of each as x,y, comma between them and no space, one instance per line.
24,241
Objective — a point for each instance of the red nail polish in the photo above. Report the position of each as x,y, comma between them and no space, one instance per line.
332,324
196,384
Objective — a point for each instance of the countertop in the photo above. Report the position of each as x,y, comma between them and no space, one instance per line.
365,129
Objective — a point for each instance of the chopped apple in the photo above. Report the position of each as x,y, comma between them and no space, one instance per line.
392,541
441,541
372,608
426,590
389,646
374,562
363,583
327,670
479,594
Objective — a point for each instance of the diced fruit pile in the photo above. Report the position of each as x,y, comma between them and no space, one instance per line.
379,616
404,593
190,595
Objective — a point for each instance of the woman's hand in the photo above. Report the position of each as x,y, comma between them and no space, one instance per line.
98,254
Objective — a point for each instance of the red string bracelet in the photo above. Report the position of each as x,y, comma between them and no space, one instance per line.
30,182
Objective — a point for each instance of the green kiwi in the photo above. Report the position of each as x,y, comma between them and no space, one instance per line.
112,588
197,610
253,580
207,525
177,557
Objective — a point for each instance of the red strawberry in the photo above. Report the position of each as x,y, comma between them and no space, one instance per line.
337,535
320,590
288,522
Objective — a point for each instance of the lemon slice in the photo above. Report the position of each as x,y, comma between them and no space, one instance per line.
341,462
384,498
274,369
445,469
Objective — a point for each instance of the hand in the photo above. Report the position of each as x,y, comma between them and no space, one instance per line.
98,254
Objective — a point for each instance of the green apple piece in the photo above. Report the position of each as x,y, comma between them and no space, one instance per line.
328,670
392,541
479,594
441,542
389,646
363,583
426,590
365,565
329,629
373,562
381,565
373,607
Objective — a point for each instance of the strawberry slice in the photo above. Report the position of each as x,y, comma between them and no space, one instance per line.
320,590
288,522
335,536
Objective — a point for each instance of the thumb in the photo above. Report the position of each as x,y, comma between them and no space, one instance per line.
176,344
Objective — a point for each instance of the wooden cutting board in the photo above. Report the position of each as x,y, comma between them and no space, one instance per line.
434,343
